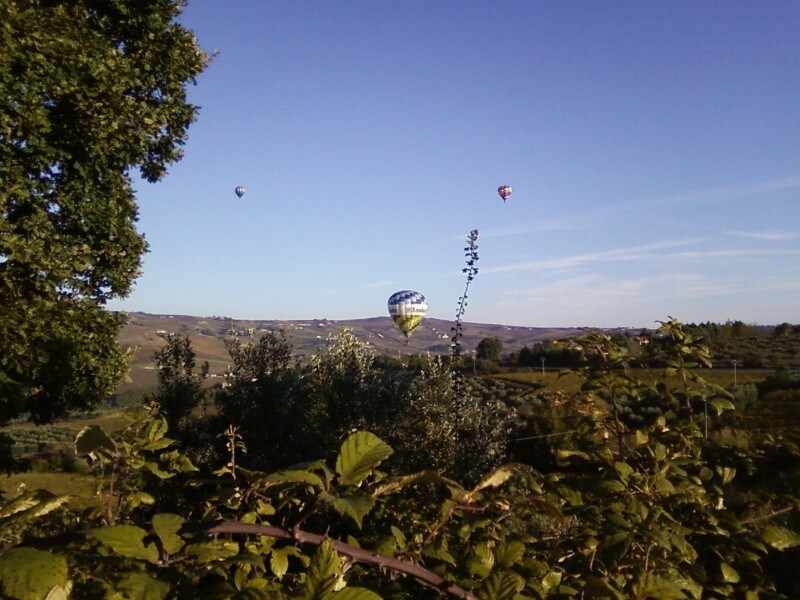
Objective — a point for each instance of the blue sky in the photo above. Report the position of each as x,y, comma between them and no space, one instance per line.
653,148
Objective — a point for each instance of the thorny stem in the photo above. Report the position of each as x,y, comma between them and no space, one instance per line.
774,513
356,554
110,497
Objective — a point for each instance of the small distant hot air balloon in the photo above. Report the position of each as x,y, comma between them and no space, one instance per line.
504,191
240,191
407,308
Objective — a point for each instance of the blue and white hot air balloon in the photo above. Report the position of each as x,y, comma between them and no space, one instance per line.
407,308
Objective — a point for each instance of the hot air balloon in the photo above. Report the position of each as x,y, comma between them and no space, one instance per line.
240,191
504,191
407,308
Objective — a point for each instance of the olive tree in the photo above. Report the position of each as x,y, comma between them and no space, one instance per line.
92,94
489,348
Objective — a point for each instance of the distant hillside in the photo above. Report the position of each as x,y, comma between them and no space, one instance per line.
146,333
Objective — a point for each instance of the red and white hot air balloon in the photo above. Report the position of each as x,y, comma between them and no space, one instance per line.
504,191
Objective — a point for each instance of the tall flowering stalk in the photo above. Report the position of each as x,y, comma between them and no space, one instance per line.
471,252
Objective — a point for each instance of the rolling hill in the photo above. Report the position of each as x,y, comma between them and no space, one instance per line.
146,333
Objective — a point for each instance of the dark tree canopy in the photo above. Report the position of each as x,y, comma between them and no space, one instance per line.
92,93
489,348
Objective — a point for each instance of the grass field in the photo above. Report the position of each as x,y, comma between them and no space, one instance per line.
570,383
80,488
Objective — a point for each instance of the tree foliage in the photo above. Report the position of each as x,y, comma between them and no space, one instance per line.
489,349
637,502
180,386
90,92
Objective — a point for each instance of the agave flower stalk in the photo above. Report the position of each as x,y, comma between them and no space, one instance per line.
471,252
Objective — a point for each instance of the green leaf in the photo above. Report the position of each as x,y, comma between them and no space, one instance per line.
157,429
156,470
572,497
360,453
779,537
140,586
721,404
182,464
264,508
279,560
481,562
564,455
292,476
166,526
355,593
726,473
399,537
354,506
137,498
494,479
31,504
323,573
664,485
597,587
729,574
551,580
657,587
215,550
396,484
158,444
624,470
440,551
127,540
30,574
501,585
91,440
509,554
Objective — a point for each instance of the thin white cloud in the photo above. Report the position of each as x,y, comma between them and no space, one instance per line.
770,236
739,253
600,300
590,289
592,218
720,194
644,251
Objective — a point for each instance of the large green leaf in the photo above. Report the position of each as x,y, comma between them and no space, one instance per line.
279,560
501,585
128,541
291,476
213,551
30,574
91,440
360,453
166,526
480,563
509,554
324,573
354,506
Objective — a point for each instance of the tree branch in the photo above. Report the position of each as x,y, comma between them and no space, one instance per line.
357,554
